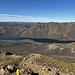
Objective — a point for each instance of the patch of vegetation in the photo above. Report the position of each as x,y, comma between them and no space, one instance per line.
60,64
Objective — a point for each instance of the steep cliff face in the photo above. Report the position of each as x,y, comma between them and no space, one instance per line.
52,30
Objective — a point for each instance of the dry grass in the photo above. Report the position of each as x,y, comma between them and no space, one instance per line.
60,64
9,59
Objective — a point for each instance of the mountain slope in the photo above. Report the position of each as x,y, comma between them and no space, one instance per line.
13,29
52,30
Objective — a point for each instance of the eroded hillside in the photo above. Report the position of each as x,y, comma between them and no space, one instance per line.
13,29
52,30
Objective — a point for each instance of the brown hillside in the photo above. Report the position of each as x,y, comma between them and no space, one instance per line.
52,30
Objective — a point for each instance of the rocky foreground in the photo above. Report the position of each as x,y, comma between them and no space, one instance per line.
34,64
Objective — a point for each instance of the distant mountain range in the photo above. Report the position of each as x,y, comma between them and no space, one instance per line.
51,30
16,23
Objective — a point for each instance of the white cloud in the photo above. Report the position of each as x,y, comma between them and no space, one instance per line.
21,18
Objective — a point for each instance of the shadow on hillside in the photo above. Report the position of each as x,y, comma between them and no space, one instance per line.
42,40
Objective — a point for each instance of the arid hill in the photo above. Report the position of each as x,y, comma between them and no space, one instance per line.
52,30
13,29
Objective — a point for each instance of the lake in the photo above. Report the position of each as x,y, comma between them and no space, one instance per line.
42,40
12,38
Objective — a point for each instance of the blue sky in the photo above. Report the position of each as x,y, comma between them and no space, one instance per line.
37,10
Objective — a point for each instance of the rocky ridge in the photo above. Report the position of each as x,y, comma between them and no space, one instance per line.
31,65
